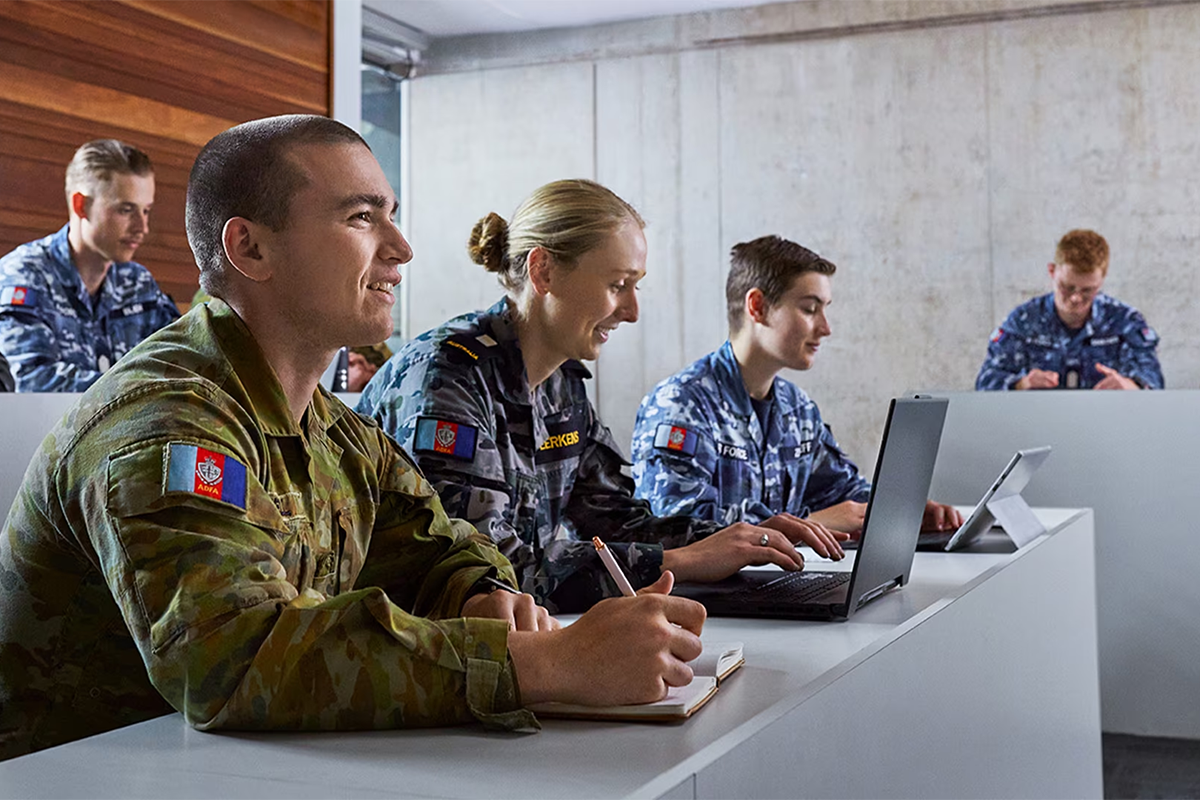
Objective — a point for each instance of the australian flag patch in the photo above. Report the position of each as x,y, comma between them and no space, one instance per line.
445,438
191,468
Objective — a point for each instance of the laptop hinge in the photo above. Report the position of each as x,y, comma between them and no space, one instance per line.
878,590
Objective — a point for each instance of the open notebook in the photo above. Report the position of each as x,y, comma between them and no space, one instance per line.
714,665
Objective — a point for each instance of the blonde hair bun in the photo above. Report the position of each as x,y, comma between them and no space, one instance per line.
488,243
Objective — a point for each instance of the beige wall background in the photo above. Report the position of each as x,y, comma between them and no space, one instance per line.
934,151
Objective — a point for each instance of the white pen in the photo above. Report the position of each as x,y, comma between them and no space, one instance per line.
614,569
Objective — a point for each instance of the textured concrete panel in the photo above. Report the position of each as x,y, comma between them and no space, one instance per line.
657,127
1093,123
935,166
482,142
873,152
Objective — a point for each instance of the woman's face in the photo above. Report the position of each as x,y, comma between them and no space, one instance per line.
587,301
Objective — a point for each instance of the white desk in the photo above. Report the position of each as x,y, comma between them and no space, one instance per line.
978,679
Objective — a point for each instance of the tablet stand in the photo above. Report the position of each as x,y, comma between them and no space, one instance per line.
1017,519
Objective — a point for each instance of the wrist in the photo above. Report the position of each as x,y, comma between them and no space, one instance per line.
532,655
677,562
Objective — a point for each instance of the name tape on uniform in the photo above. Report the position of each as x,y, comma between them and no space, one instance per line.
194,469
446,438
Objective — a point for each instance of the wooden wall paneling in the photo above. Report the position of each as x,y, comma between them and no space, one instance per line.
164,76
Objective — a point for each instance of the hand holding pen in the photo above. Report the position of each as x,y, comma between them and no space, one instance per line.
624,650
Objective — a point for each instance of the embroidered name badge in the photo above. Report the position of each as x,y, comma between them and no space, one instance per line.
445,438
18,296
1104,341
136,308
797,451
467,349
676,439
562,442
732,451
194,469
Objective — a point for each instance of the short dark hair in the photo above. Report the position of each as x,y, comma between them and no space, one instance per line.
770,264
95,162
246,172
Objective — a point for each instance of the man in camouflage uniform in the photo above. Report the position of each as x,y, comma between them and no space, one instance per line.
209,531
74,302
727,439
535,470
1074,337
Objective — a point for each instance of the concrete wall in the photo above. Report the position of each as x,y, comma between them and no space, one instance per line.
935,152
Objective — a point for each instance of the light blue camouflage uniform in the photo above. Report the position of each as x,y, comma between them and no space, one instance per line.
698,449
58,338
536,471
1033,337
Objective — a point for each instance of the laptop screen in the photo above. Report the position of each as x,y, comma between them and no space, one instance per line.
903,473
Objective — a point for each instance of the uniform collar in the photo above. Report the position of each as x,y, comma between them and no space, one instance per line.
729,377
258,381
500,323
65,271
68,275
1089,327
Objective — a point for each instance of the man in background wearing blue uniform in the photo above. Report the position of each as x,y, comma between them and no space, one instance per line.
727,439
1075,337
74,302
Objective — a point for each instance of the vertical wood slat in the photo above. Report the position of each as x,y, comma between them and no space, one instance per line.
163,75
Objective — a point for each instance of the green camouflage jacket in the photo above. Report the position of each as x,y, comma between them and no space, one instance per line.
179,537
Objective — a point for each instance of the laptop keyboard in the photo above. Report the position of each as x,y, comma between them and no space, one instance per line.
795,587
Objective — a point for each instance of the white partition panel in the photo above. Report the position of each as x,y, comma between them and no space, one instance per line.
25,419
1135,458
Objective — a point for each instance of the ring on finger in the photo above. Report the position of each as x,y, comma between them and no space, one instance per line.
764,539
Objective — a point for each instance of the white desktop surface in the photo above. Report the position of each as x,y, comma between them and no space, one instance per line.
845,709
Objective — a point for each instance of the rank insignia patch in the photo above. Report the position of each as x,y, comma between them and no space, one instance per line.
676,439
18,296
191,468
445,438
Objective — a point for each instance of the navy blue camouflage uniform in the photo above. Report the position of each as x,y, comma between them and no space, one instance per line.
6,378
699,449
58,338
1033,337
535,470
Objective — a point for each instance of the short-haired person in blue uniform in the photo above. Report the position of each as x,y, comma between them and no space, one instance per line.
492,406
74,302
1076,337
727,439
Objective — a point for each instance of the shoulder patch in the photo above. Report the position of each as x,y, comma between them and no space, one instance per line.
467,349
18,296
676,439
445,438
194,469
997,335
